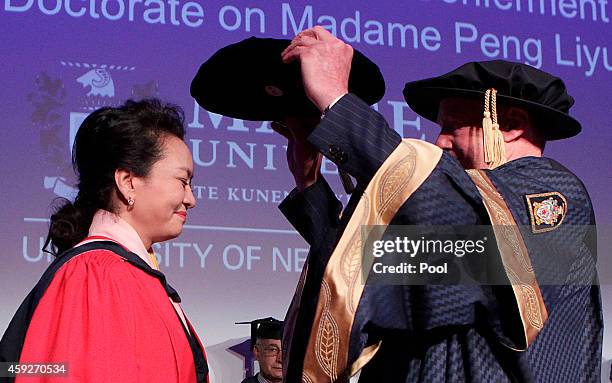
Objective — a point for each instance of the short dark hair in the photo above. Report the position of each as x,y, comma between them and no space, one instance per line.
127,137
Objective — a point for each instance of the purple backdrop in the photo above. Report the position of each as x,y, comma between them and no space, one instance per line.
238,259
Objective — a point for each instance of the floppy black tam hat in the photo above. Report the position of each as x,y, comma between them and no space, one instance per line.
541,94
249,81
265,328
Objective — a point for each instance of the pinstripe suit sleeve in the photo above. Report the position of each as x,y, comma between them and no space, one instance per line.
313,211
355,137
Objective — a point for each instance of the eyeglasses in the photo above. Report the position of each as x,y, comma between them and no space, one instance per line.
269,351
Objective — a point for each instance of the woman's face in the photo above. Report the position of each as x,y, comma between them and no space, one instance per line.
164,196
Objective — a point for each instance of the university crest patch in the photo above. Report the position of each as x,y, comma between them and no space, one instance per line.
546,211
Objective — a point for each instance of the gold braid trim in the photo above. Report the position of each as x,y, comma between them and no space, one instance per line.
326,358
515,258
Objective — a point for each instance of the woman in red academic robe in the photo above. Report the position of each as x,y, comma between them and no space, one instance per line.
102,311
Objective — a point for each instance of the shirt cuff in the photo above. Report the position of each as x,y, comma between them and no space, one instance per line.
331,105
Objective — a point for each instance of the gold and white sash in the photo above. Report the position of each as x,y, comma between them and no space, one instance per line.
402,173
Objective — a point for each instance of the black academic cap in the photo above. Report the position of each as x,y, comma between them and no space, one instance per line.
266,328
249,81
543,95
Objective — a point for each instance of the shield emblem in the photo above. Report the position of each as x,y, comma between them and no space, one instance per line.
546,211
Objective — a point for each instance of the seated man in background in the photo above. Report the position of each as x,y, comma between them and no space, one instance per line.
267,351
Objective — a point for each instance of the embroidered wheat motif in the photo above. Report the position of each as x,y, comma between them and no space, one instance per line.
394,181
328,339
351,259
532,309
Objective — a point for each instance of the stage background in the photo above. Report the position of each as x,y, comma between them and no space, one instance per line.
238,259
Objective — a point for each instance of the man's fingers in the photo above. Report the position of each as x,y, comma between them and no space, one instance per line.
317,32
301,40
322,33
306,38
294,54
312,32
291,46
298,41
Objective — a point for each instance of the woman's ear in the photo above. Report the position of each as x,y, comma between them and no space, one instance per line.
516,124
124,182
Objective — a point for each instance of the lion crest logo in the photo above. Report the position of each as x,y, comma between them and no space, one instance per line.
99,81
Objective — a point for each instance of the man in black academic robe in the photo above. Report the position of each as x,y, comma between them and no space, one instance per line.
445,333
267,351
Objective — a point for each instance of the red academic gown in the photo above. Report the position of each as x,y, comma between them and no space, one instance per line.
106,314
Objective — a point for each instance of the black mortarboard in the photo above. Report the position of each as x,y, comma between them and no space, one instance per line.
266,328
248,80
543,95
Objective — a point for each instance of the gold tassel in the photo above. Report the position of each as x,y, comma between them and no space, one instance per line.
494,146
487,129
